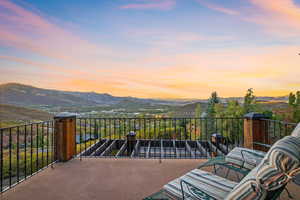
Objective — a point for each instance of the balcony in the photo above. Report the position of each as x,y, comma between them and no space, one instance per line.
106,178
107,163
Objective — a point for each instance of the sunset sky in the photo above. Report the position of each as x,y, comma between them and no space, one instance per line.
152,48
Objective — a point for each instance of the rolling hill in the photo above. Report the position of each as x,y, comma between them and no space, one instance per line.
15,113
25,95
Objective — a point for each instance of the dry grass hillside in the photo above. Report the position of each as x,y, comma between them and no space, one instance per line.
9,113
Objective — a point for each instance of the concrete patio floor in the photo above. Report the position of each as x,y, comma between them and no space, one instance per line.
107,179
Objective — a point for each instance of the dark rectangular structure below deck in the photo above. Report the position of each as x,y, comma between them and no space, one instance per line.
153,149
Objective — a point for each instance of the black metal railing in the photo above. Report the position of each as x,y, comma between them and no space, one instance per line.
274,130
24,151
27,149
166,137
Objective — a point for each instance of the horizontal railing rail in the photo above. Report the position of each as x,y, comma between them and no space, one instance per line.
24,151
96,135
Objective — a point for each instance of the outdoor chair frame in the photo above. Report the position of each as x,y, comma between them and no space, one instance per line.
221,161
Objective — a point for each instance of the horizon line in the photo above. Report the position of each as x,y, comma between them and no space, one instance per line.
158,98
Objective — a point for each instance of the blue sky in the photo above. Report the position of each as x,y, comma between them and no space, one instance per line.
152,48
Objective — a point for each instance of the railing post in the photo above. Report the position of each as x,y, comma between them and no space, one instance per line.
131,140
65,136
255,131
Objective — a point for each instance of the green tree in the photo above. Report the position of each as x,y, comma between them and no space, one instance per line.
292,99
229,127
39,141
294,103
297,107
96,132
198,111
182,124
211,113
234,109
249,101
220,110
213,100
297,101
141,115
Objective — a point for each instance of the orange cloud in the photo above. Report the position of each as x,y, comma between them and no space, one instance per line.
284,8
280,18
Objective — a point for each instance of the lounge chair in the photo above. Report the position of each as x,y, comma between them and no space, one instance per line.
241,160
265,181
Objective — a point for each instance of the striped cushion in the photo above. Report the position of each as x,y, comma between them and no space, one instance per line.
281,162
279,165
215,186
296,131
248,188
251,159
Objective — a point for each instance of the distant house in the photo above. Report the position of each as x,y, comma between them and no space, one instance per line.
184,114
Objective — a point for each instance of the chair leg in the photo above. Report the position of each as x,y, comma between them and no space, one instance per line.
227,173
289,194
237,176
217,169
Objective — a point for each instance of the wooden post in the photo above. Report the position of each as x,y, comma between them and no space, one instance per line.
65,136
255,131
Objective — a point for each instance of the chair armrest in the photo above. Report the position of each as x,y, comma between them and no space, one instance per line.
213,161
251,152
194,192
257,155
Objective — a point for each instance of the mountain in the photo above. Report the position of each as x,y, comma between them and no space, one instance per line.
107,99
13,113
96,97
25,95
191,107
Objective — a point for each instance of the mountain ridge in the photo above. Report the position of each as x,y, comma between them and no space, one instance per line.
26,95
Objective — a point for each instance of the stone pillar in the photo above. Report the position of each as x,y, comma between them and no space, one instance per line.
65,136
255,131
131,140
